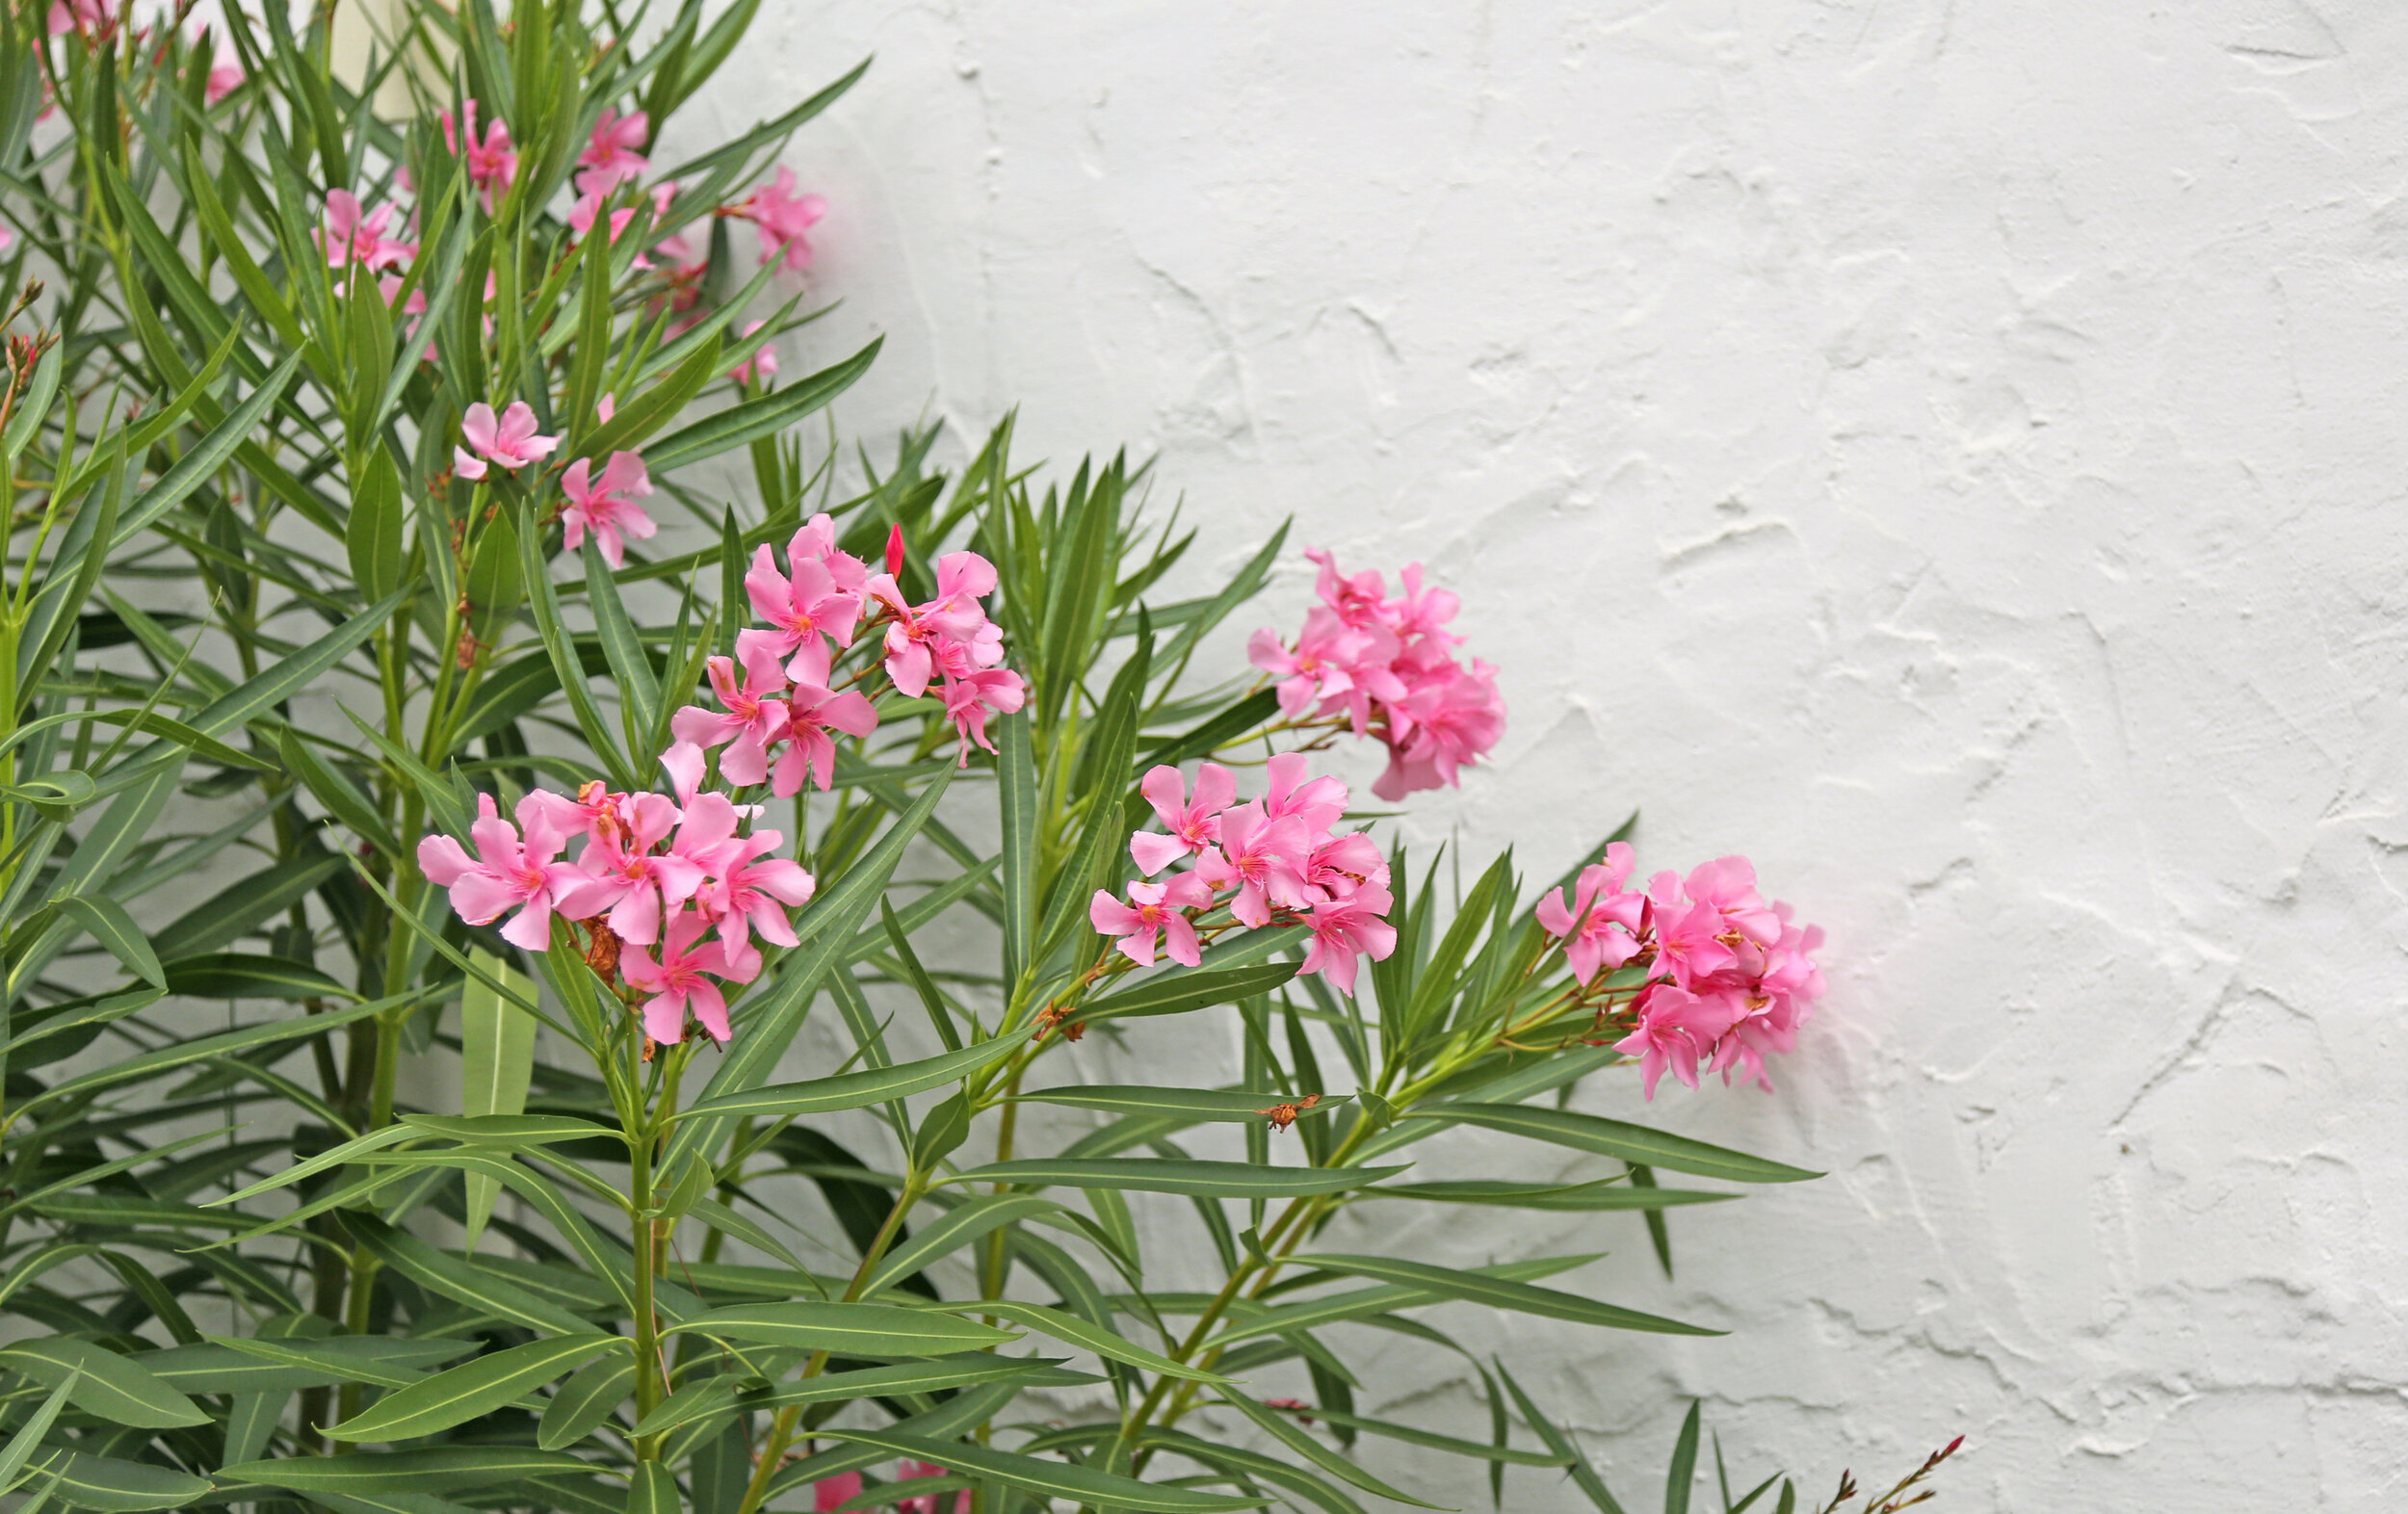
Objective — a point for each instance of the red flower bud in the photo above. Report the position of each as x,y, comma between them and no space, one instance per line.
894,549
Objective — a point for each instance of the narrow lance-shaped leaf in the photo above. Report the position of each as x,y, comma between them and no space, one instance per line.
497,1061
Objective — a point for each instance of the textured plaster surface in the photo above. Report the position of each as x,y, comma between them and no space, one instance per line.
1951,453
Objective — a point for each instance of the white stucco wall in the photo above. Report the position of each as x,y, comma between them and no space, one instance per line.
1951,453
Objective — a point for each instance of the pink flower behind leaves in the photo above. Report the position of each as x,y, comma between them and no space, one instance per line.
353,234
609,153
1153,910
225,76
510,441
830,1492
782,217
510,872
607,506
761,364
493,162
926,1504
91,17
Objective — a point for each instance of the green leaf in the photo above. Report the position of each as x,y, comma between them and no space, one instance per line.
497,1059
447,1275
858,1090
245,703
471,1389
203,459
1498,1294
930,1376
1606,1194
631,666
1682,1475
1015,797
846,1329
334,790
1189,1106
227,1363
1594,1132
1071,1330
1560,1443
226,1043
583,1402
114,1486
102,1383
243,975
28,1436
1047,1480
1288,1434
373,536
1178,990
115,929
651,1489
497,579
241,907
1414,1435
445,1469
961,1225
769,413
1166,1175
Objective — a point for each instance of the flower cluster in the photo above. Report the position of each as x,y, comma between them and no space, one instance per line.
1726,976
1274,858
1386,666
671,875
776,700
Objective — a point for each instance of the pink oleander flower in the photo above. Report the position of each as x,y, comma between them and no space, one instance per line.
1773,1002
1687,933
1318,803
761,364
589,207
1153,910
1343,865
492,163
926,1504
830,1492
811,713
950,634
782,217
753,890
610,155
510,441
225,76
640,883
1385,664
1601,929
352,235
1454,719
971,696
88,16
805,607
1676,1029
750,714
680,980
390,284
1261,859
1344,928
607,506
1192,826
510,872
